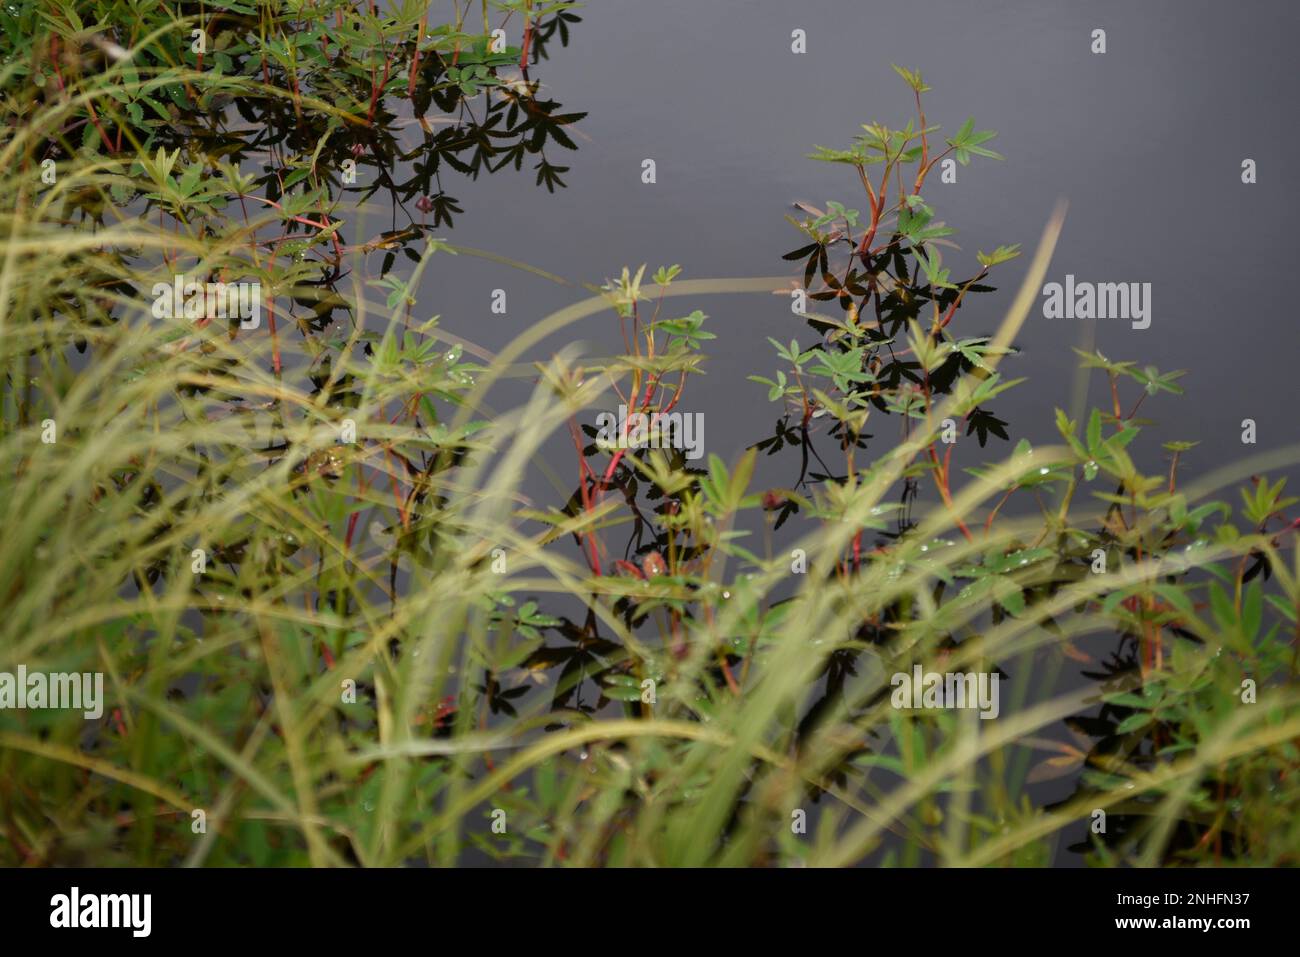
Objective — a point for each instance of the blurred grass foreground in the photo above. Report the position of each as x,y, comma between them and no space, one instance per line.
273,593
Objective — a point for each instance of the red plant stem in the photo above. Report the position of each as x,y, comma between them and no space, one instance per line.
925,146
297,219
988,524
338,246
90,107
877,210
941,480
726,673
375,90
528,38
957,302
415,60
643,408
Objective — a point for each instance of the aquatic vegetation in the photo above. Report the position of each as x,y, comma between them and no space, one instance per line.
332,619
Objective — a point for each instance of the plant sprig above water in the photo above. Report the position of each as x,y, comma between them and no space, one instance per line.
885,271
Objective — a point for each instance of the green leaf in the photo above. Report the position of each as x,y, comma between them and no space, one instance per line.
1134,722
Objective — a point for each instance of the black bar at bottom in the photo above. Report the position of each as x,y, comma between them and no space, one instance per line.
510,906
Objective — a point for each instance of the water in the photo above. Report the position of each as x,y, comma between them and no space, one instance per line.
1145,141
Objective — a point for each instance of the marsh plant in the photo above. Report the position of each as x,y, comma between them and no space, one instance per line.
334,630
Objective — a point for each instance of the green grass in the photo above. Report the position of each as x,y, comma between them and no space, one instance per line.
378,660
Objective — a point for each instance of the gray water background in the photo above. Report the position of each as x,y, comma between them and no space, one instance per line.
1145,142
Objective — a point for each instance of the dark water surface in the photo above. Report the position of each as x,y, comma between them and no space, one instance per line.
1145,141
